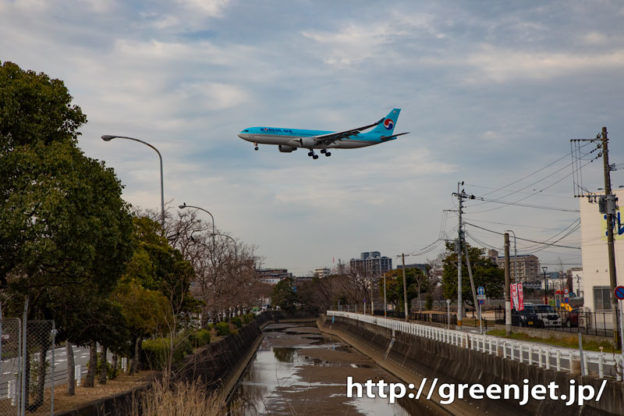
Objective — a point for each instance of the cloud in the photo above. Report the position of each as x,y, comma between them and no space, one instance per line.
502,65
209,8
353,42
490,94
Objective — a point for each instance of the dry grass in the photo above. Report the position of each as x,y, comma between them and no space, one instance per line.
179,399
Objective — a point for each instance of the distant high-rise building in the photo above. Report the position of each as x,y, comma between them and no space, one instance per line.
523,267
371,263
272,276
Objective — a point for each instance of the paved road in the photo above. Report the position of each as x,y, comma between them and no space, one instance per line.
9,368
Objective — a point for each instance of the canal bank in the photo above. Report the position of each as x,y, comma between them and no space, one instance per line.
411,358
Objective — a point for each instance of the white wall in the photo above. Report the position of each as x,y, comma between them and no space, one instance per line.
594,247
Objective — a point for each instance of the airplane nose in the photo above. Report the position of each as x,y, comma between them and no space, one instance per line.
242,136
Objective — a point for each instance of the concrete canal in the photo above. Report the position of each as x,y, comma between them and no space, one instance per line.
299,371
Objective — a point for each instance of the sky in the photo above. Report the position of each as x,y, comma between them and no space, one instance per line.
491,93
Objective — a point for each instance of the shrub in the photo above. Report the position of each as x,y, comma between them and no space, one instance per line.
237,321
223,328
247,318
199,338
157,351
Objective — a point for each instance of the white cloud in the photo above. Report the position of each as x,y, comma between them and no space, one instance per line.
502,65
355,42
211,8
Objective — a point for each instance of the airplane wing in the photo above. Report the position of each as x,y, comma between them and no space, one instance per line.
327,139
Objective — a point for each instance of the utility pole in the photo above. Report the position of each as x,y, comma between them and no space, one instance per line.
404,286
507,282
460,301
610,211
460,200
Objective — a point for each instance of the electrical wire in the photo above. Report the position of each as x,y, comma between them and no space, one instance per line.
523,239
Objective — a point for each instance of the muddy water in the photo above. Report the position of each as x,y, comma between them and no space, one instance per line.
299,371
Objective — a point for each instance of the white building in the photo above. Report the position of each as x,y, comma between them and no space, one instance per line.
322,272
595,275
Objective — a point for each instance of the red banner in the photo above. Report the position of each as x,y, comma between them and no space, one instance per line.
514,295
520,297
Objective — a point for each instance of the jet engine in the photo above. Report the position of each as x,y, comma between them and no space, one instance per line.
284,148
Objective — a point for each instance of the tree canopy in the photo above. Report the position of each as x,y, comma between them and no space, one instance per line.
485,273
416,282
63,222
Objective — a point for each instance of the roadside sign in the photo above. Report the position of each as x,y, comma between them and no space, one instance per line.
619,292
481,295
520,297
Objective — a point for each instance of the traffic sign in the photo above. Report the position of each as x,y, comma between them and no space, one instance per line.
619,292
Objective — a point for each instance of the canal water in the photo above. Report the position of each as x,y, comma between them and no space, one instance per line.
299,371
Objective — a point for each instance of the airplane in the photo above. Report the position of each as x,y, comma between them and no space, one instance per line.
289,140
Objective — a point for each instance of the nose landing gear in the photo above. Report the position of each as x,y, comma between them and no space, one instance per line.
256,147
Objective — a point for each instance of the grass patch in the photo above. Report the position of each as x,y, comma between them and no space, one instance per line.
570,341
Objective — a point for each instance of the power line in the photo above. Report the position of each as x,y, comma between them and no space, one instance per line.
523,239
527,205
536,182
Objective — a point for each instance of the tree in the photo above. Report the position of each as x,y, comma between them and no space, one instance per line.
225,272
416,282
145,311
485,273
63,224
284,295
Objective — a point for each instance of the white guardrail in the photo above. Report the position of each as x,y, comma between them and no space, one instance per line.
598,363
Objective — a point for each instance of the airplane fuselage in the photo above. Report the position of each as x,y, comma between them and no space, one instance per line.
289,140
297,138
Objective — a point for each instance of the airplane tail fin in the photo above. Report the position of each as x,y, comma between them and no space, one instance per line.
386,126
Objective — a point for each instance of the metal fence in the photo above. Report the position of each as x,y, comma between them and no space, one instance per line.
27,365
589,323
599,364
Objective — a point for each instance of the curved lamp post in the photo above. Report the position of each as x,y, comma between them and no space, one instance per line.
207,212
233,241
108,138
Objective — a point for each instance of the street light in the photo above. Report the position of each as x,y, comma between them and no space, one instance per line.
201,209
233,241
108,138
544,268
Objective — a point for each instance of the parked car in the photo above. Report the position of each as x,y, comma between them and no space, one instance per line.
547,316
571,319
537,316
526,317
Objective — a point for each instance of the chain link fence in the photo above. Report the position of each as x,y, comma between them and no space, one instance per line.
27,364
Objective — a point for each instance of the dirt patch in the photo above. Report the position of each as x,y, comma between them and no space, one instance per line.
84,395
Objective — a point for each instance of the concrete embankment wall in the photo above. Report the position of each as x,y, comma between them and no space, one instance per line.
414,357
218,365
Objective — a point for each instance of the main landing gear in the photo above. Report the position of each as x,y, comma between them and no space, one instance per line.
315,156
